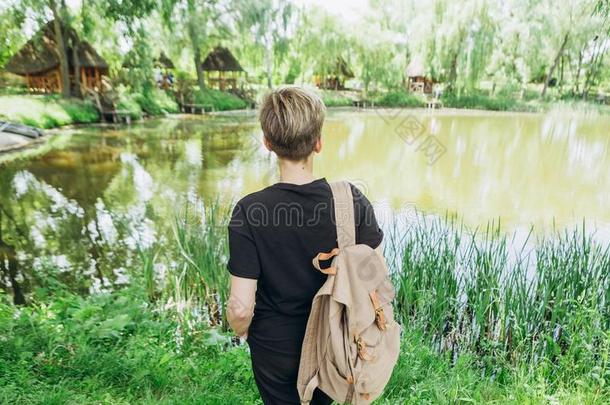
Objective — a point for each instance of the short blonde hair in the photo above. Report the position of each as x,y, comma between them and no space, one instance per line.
291,119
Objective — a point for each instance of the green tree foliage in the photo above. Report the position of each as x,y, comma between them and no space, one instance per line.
501,48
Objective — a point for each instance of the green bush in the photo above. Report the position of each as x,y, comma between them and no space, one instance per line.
81,111
332,100
218,100
481,101
156,102
400,99
47,111
128,102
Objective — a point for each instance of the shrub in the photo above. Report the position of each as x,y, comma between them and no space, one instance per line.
481,101
129,103
47,111
218,100
399,99
336,100
81,111
156,102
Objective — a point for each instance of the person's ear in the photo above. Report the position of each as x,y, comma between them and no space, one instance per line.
318,146
266,143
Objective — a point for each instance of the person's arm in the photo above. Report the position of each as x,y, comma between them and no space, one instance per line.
240,307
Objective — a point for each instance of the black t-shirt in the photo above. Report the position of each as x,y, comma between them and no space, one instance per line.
273,236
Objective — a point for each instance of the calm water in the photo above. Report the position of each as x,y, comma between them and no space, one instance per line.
527,169
82,206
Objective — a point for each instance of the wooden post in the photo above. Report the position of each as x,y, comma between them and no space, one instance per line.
59,81
83,78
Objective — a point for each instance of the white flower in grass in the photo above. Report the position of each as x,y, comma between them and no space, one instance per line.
100,286
62,263
160,270
122,277
37,237
178,338
91,269
22,182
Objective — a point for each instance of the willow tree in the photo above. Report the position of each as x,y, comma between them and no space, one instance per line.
60,13
11,34
269,21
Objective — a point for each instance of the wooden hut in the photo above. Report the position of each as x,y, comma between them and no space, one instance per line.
418,82
221,69
163,62
38,62
335,77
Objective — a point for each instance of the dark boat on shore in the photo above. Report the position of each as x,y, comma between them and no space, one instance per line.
14,135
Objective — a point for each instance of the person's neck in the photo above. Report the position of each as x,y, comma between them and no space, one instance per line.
296,172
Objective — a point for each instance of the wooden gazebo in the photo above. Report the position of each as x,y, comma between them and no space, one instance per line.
221,69
163,61
418,82
335,77
38,62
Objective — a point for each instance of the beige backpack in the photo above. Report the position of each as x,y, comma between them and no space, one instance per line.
351,342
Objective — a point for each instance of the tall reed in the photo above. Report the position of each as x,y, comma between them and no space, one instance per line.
479,292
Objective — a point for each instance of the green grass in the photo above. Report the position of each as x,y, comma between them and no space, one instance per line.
156,102
119,349
482,323
473,293
218,100
46,111
399,99
331,99
481,101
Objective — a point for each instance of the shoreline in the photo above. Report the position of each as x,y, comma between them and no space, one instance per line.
15,147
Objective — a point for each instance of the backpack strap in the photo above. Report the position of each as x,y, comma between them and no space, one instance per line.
344,213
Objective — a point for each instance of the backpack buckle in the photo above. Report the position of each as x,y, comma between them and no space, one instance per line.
379,314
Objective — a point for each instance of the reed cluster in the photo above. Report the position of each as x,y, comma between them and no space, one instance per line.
542,301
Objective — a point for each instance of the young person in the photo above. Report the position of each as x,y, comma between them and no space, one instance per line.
274,235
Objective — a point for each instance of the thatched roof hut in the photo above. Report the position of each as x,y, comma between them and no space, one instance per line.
221,60
221,63
163,61
334,77
415,68
417,80
38,61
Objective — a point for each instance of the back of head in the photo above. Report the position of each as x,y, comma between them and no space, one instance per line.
291,119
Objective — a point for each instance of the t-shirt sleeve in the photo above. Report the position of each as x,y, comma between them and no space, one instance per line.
243,256
367,229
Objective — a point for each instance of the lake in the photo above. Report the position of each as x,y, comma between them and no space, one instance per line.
546,170
527,169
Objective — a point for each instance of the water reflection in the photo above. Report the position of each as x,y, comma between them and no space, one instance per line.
86,207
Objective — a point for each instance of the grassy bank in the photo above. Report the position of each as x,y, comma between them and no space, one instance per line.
218,100
46,111
51,111
474,100
483,322
119,349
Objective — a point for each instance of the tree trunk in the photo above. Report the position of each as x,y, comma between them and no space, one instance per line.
269,64
575,88
62,53
195,43
199,68
593,70
77,67
549,75
8,265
